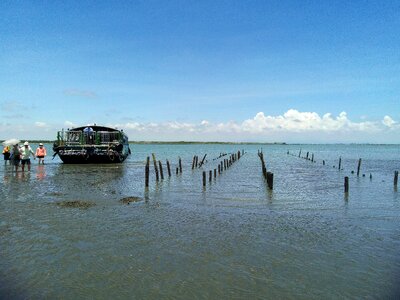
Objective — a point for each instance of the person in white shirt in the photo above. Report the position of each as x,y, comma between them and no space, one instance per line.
26,152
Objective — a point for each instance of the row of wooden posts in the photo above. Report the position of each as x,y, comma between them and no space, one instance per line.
346,178
223,165
269,176
158,168
311,158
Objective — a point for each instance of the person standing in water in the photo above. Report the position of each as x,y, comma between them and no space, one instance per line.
6,153
26,152
41,153
15,156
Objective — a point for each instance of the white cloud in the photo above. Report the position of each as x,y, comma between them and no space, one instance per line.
69,124
295,121
41,124
388,121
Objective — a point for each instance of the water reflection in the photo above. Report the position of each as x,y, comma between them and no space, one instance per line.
40,172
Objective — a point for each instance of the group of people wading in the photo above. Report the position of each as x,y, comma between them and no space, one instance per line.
17,155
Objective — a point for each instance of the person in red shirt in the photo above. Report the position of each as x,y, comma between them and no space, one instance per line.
41,153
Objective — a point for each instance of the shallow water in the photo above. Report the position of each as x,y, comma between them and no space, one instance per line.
234,239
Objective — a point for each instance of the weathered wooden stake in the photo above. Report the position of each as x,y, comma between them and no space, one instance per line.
221,166
396,177
299,152
340,163
155,166
204,178
307,155
180,165
215,173
358,167
202,161
239,154
346,184
270,180
147,172
219,169
210,176
224,164
194,160
161,171
312,157
177,170
168,168
197,161
323,162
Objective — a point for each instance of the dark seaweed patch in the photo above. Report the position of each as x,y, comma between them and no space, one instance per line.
76,204
128,200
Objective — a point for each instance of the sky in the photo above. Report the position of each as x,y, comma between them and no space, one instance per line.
235,71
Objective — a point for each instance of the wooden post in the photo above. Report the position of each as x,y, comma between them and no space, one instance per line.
155,166
204,178
219,169
238,154
396,177
215,173
197,161
312,157
358,167
194,159
224,164
307,155
161,171
346,184
210,176
340,163
147,172
323,162
202,161
270,180
299,152
180,165
168,168
177,170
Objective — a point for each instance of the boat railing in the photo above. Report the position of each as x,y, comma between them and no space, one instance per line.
71,137
107,137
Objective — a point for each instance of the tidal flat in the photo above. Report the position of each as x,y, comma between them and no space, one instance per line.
94,231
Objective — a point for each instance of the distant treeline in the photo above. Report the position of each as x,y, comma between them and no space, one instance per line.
178,142
202,143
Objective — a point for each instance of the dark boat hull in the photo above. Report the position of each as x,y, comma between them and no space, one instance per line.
92,155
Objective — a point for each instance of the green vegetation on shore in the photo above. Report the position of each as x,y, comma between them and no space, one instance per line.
176,142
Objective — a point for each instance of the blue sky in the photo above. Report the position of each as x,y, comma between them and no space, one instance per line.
202,70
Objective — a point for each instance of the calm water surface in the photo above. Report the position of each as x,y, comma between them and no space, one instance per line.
233,240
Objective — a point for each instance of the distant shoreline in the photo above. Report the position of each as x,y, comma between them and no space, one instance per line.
219,143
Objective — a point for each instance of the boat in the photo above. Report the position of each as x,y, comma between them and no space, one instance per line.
91,145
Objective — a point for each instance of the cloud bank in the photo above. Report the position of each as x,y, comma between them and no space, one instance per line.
292,127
